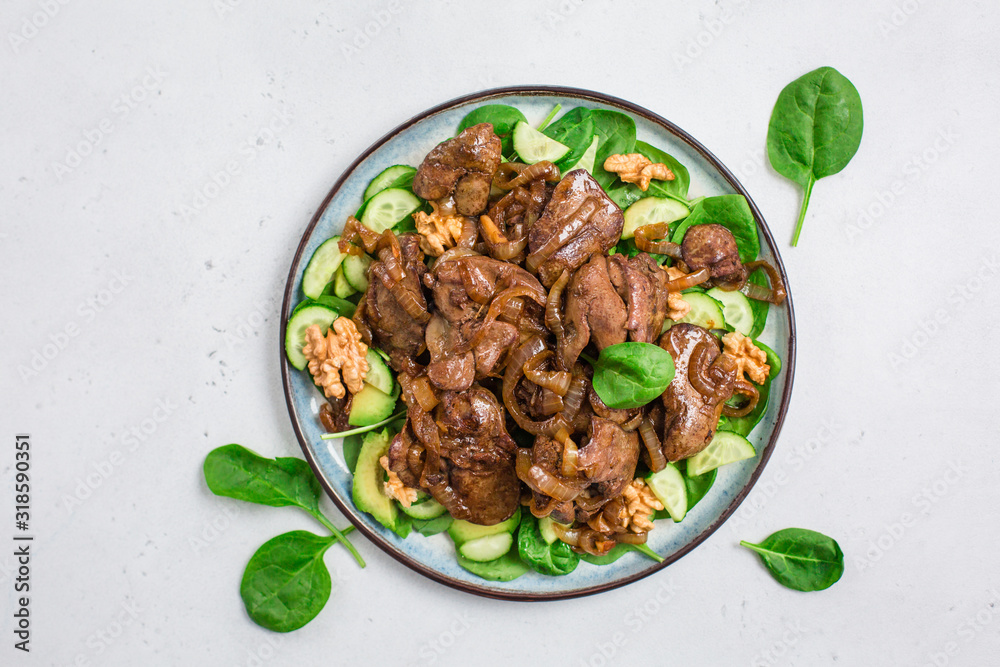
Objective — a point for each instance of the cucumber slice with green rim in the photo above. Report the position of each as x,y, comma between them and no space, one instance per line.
356,271
725,448
736,309
323,264
588,159
378,375
429,509
341,287
487,548
547,528
705,311
396,176
367,488
649,210
295,332
388,208
370,406
669,488
464,531
532,146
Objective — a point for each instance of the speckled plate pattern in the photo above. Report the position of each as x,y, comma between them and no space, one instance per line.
434,556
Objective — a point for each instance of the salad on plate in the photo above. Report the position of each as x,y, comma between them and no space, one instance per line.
535,342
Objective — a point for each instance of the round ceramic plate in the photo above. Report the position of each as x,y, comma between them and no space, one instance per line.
434,556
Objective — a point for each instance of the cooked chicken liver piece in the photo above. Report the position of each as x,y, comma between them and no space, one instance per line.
691,417
579,221
713,246
462,167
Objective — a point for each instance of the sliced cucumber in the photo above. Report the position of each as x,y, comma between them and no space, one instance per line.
323,264
532,146
378,375
356,271
464,531
705,311
669,488
725,448
397,176
487,548
386,209
367,490
649,210
341,287
736,309
546,526
588,159
370,406
429,509
295,332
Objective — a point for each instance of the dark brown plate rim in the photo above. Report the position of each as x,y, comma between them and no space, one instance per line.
789,365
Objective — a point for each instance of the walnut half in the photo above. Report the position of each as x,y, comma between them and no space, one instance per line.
438,231
637,168
641,504
338,354
749,358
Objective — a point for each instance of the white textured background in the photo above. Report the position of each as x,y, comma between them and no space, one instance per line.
888,445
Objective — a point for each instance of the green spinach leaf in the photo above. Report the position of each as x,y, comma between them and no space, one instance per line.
616,134
236,472
428,527
733,213
697,485
506,568
286,582
352,447
630,375
618,551
554,559
815,130
677,188
758,307
574,129
801,559
503,119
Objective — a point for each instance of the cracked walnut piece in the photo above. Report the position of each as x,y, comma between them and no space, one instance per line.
677,307
639,169
438,231
394,488
640,503
750,359
339,353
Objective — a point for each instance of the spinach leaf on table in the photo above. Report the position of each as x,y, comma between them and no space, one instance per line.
574,129
501,116
732,212
815,130
236,472
286,582
630,375
554,559
801,559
